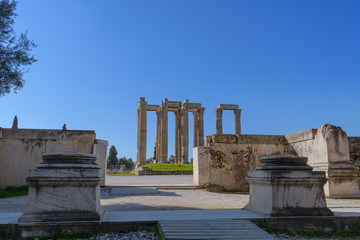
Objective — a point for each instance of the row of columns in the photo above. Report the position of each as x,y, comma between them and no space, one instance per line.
181,111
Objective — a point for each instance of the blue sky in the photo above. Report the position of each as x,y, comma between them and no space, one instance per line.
290,65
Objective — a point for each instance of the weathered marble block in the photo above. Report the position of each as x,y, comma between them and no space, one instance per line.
64,187
287,186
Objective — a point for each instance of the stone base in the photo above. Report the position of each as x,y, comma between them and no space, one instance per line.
292,193
284,186
297,211
343,188
61,216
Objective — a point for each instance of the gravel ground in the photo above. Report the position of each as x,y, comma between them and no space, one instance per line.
126,236
173,199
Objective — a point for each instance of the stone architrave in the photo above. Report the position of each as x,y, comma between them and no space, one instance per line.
142,132
164,131
237,113
184,132
331,153
287,186
64,187
218,113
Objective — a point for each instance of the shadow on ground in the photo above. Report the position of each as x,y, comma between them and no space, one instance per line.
117,192
140,207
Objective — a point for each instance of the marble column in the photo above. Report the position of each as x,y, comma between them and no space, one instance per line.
177,136
201,127
218,113
237,114
142,132
158,139
196,128
164,131
184,111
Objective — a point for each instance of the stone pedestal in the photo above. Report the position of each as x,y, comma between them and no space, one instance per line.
64,187
331,154
287,186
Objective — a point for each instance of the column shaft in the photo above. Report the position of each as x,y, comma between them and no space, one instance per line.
196,129
158,133
164,131
177,136
218,113
201,127
142,132
237,114
184,132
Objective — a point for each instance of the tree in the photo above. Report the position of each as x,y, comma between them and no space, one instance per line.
128,163
14,51
15,123
172,159
64,127
154,157
112,159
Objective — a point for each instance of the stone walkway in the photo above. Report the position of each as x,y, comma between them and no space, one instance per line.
212,229
127,196
133,199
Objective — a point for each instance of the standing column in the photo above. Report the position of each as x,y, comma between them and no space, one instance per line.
201,127
184,111
142,131
177,136
237,114
158,139
218,112
196,128
164,131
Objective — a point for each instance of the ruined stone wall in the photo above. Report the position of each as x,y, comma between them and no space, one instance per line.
354,147
302,143
21,149
226,159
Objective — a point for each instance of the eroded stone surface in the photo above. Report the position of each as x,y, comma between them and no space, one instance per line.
292,191
64,187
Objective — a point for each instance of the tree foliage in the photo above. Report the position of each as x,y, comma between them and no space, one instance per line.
112,159
127,163
15,123
15,52
172,159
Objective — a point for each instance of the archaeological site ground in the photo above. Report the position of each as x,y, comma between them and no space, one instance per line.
302,181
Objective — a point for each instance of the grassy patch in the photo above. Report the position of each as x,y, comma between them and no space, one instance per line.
156,230
169,167
272,229
65,235
121,174
14,192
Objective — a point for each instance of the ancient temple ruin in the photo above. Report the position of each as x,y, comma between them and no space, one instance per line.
181,110
219,112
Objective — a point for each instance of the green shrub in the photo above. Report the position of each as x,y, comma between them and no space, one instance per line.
14,191
169,167
121,174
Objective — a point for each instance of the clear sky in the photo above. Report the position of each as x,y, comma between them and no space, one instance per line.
290,65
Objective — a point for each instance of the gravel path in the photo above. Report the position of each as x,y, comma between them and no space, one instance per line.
173,199
149,180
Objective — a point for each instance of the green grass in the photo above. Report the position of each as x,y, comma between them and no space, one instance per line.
121,174
272,229
10,192
169,167
156,230
65,235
